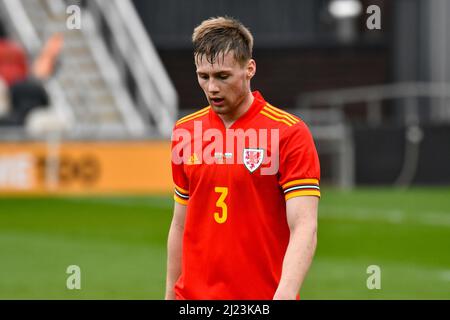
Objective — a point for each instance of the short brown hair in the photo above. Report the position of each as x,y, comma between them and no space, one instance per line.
219,35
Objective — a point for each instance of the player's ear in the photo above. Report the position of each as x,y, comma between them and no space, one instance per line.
251,68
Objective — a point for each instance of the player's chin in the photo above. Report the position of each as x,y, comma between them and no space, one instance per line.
220,109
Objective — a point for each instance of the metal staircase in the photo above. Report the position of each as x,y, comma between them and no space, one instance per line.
89,87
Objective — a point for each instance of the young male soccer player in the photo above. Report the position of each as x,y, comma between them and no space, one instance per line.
239,229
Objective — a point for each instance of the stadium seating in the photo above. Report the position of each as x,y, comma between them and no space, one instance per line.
4,103
91,84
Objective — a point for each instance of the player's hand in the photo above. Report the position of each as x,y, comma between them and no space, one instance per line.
170,295
284,295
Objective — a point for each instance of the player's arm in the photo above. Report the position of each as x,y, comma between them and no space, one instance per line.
174,249
302,219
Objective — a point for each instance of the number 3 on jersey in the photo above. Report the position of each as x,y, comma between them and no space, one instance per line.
221,218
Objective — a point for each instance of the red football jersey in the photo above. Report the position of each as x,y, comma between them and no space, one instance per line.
235,183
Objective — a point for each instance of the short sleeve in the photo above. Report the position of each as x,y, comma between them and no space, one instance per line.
299,171
180,180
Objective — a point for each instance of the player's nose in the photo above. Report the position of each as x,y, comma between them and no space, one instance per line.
212,86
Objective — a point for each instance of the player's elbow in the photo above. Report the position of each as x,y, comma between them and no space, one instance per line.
304,224
306,230
314,239
311,230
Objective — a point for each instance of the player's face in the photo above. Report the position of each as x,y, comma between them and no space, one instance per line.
226,83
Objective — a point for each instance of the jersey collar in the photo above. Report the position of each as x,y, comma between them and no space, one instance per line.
255,108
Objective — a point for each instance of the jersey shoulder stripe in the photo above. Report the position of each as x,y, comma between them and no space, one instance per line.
287,114
194,115
278,115
276,119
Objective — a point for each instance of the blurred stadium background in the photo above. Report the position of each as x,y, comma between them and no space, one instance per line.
88,98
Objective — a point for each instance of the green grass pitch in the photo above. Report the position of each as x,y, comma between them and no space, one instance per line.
120,246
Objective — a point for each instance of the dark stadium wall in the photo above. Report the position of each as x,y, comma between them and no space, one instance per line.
380,155
2,30
283,74
273,23
296,48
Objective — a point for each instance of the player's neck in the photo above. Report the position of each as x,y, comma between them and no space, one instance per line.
229,119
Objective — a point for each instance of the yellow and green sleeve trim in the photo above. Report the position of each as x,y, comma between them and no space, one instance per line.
301,187
181,195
